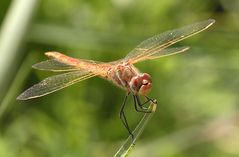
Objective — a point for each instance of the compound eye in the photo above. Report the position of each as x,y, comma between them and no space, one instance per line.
145,82
145,87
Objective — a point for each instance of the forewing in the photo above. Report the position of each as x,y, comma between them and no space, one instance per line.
55,83
156,43
54,65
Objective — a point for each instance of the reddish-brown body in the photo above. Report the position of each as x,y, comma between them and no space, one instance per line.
128,77
123,74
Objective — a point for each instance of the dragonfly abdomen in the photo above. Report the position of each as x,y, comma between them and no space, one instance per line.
88,65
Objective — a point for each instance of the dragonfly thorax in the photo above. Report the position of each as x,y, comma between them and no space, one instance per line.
141,84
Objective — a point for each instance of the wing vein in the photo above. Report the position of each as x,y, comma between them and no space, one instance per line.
159,42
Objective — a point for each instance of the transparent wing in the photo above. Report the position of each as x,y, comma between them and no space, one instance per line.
54,65
159,54
166,52
156,43
54,83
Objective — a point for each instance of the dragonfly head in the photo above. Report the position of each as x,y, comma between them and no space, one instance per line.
141,84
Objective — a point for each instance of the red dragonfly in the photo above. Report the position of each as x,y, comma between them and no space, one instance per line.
121,72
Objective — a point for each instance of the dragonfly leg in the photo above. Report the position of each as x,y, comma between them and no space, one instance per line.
152,100
137,104
123,117
141,105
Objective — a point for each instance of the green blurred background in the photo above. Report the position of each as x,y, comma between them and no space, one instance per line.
197,91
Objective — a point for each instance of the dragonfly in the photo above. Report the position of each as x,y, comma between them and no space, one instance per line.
122,72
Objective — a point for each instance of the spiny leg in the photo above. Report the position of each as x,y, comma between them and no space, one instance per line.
152,100
141,105
137,104
123,117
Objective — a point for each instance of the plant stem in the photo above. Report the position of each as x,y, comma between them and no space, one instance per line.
129,143
12,34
